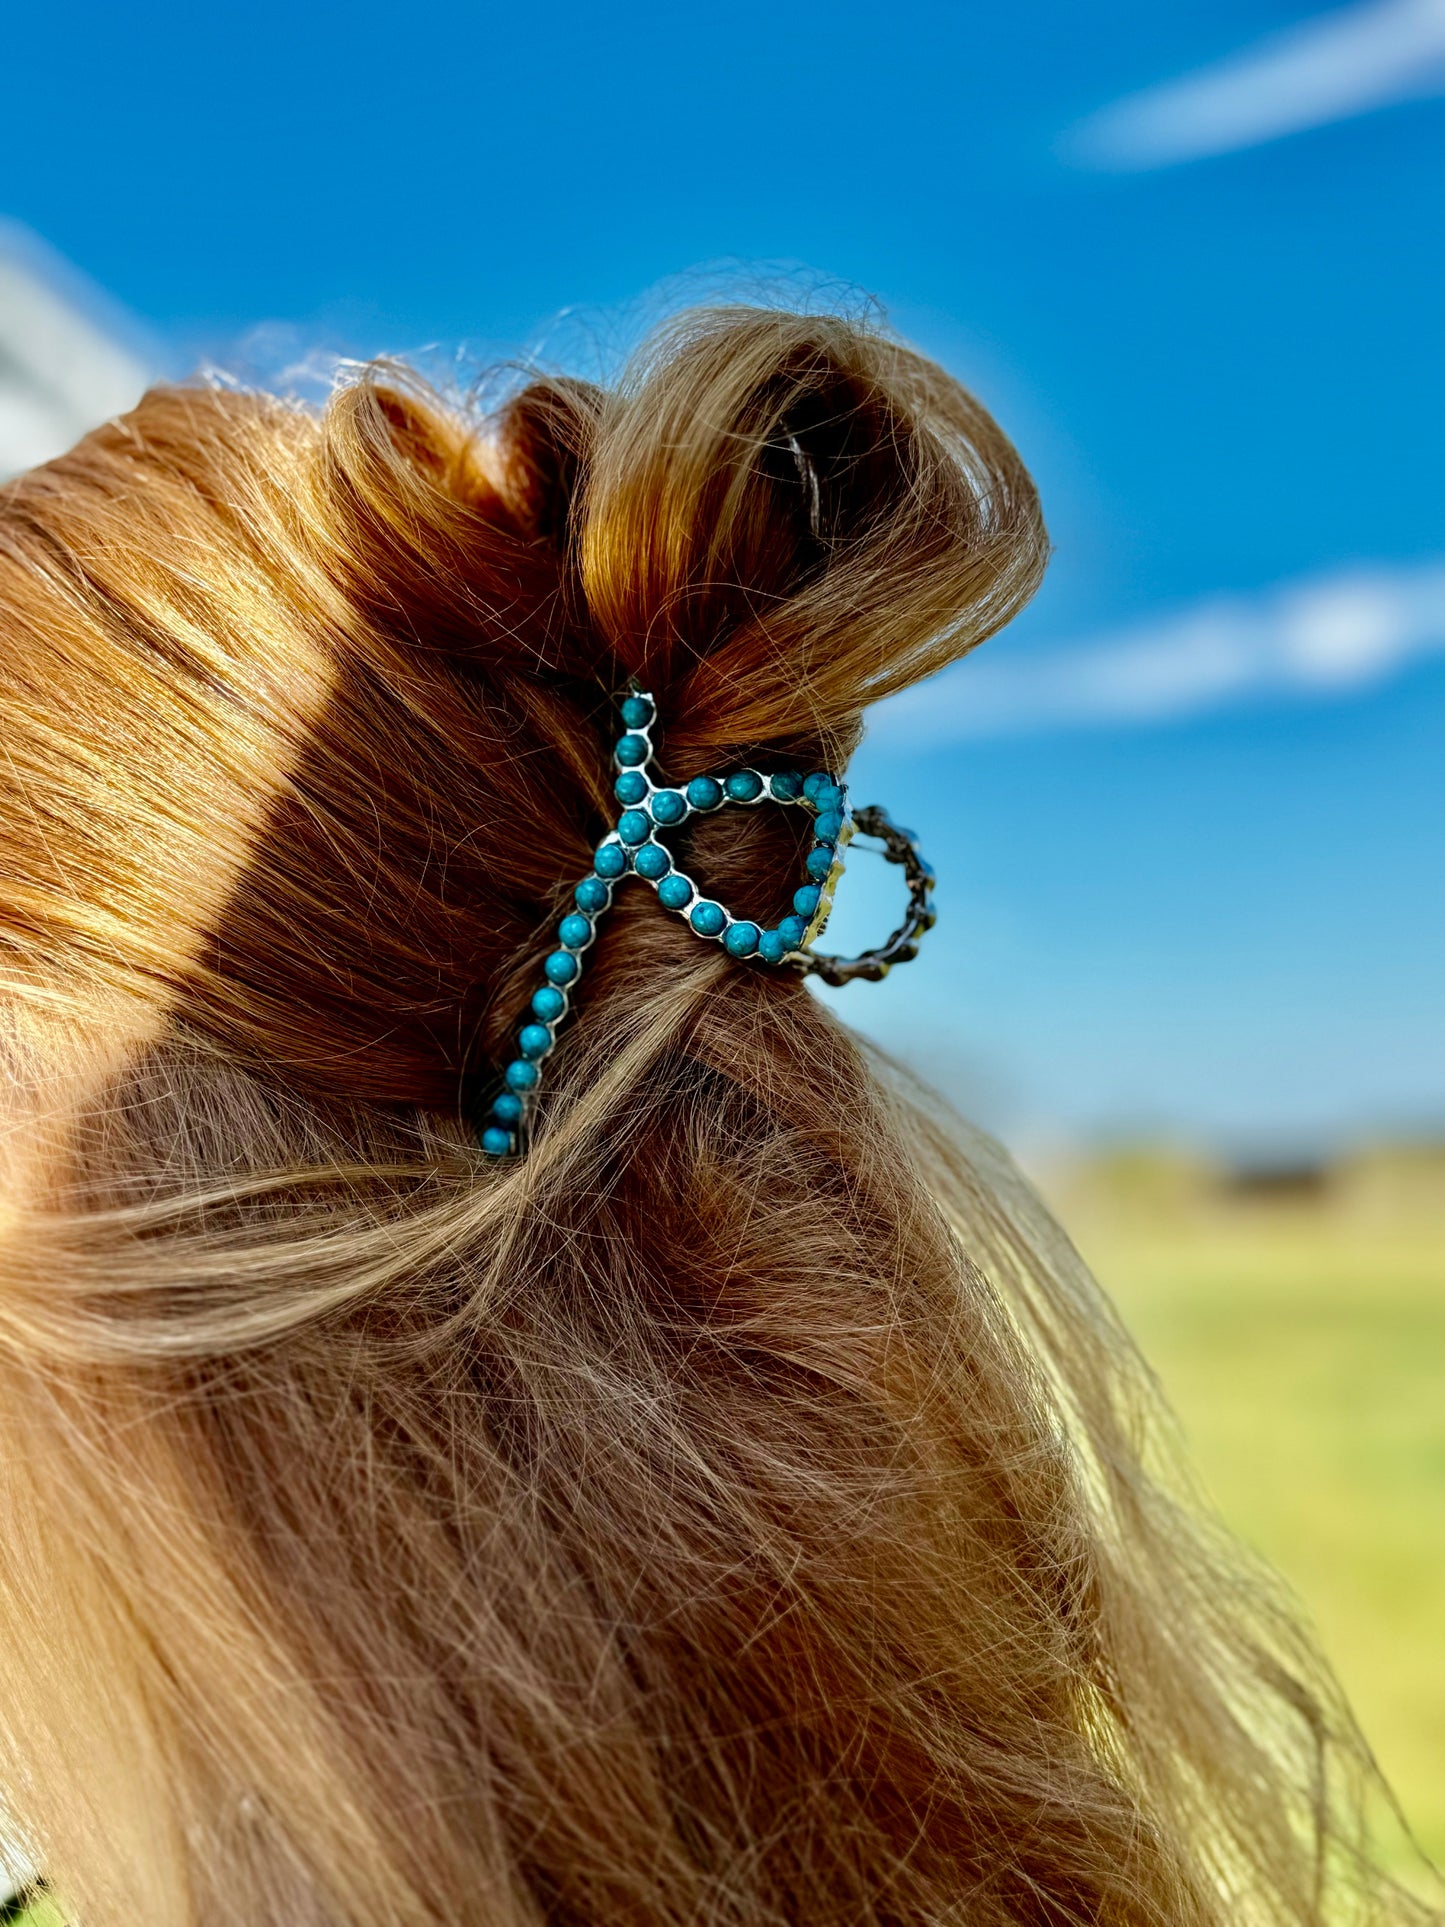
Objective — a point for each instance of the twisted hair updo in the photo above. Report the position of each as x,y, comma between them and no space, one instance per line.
743,1510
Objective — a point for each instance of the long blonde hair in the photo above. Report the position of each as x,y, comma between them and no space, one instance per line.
744,1509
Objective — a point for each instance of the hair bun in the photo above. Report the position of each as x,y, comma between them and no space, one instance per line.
362,667
787,517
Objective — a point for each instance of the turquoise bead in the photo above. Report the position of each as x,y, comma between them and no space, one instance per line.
520,1075
548,1003
575,930
806,900
674,892
632,752
637,712
742,939
704,792
771,947
496,1142
787,785
610,860
507,1107
652,862
817,781
592,895
561,967
744,786
669,806
829,826
829,798
630,787
534,1040
792,930
708,919
633,826
819,862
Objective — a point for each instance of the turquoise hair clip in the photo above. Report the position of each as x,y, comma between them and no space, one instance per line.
635,847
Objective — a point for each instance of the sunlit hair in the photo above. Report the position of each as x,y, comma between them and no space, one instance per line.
743,1510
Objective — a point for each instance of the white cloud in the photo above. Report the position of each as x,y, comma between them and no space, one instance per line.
1321,70
68,360
1325,635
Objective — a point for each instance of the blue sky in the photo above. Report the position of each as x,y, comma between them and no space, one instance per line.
1187,811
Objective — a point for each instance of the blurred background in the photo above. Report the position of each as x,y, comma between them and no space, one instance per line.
1187,812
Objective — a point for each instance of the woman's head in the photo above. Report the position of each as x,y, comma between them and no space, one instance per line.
325,709
730,1512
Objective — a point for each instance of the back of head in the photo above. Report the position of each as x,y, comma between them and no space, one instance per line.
731,1511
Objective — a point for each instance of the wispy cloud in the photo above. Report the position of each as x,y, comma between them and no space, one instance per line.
1327,69
1326,635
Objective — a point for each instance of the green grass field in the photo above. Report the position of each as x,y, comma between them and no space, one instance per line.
1301,1338
41,1912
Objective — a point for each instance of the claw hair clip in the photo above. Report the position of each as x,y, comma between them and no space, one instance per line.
635,847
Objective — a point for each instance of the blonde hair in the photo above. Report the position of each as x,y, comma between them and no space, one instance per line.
743,1509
